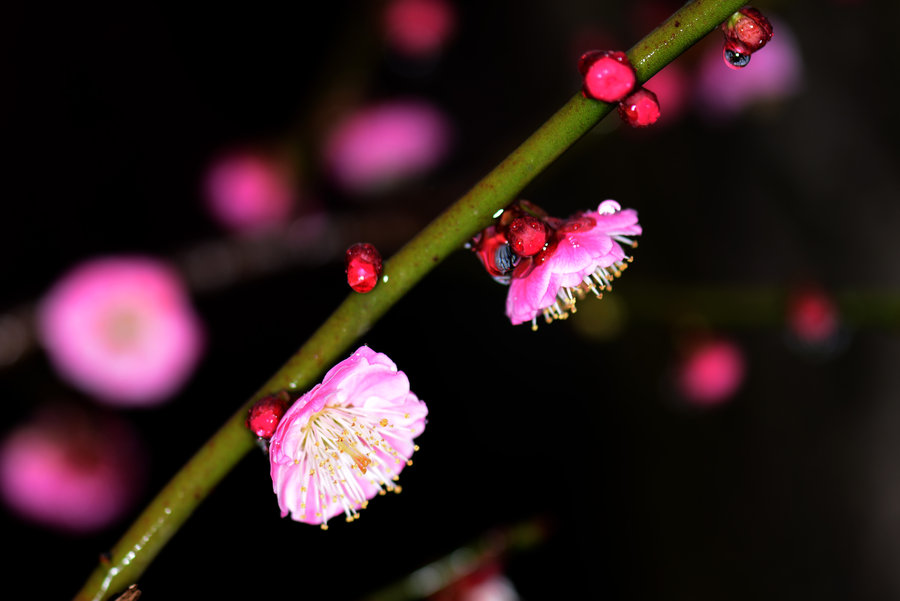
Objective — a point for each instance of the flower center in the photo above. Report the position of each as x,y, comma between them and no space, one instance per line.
122,328
344,454
361,460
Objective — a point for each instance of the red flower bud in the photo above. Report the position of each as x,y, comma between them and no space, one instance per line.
608,76
363,266
527,235
265,414
640,109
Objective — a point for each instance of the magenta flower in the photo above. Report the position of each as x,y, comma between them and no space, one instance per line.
247,191
121,329
419,28
379,146
711,373
587,256
71,471
345,440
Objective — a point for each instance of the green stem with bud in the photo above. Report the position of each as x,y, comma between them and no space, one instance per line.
447,233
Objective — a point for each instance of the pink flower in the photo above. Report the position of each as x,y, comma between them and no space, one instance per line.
121,329
419,28
379,146
70,470
246,191
711,373
345,440
587,256
774,73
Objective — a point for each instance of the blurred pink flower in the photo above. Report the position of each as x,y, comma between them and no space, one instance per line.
419,28
774,73
70,470
345,440
121,329
587,256
711,373
247,191
812,316
379,146
671,88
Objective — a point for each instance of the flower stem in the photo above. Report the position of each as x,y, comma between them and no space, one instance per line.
448,232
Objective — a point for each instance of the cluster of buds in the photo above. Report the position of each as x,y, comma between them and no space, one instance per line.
746,31
549,262
521,238
609,77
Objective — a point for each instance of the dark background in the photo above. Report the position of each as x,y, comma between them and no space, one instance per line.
110,112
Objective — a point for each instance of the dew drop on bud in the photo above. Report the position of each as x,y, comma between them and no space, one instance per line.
527,235
363,266
609,207
736,56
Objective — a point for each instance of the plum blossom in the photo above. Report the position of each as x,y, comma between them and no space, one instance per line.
711,373
381,145
586,255
122,329
71,470
419,28
247,191
345,440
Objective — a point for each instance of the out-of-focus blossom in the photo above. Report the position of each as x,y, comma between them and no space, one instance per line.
71,471
345,440
812,316
382,145
419,28
247,191
813,323
710,373
671,88
122,329
586,256
774,74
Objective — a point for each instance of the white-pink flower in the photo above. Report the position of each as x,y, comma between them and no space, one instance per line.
587,256
381,145
345,440
122,329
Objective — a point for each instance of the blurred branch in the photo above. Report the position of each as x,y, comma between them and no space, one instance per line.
448,232
464,561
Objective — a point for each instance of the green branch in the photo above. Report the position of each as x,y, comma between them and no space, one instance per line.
447,233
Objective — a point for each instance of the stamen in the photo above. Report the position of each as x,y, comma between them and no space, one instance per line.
362,462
